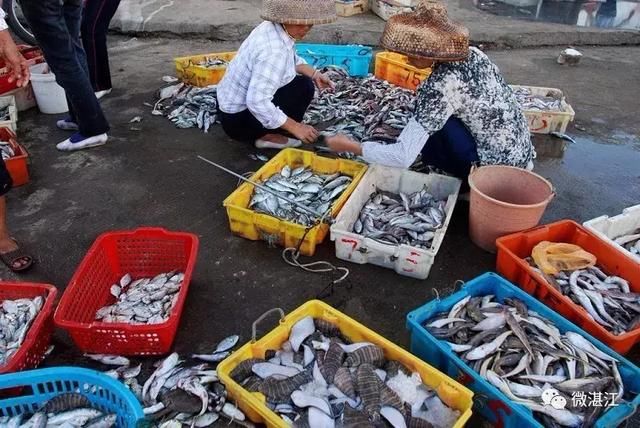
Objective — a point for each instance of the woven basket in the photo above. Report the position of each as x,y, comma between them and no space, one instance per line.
299,12
427,33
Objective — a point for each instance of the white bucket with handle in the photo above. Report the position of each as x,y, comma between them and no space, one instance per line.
49,95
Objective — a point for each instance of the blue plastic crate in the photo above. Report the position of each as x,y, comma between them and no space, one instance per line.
356,59
36,387
488,400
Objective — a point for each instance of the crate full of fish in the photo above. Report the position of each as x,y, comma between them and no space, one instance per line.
603,298
395,68
203,70
67,396
546,109
323,368
300,190
128,293
530,365
396,219
9,112
622,230
26,324
356,59
15,157
351,7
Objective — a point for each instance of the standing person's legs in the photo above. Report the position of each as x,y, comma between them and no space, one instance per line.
452,149
295,97
96,17
56,27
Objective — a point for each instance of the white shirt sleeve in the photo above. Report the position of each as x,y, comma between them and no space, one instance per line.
265,81
3,23
401,154
299,59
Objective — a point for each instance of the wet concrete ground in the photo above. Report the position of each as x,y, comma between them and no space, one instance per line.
151,177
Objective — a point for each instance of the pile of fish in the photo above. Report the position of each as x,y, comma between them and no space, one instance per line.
315,191
7,150
65,410
401,219
143,301
365,109
607,299
178,394
524,355
630,242
16,316
189,106
5,114
320,379
212,62
531,102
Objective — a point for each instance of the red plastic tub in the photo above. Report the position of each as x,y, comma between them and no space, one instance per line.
17,165
38,338
513,249
32,54
144,252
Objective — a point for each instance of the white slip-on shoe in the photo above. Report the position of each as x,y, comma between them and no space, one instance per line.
67,125
102,93
79,142
264,144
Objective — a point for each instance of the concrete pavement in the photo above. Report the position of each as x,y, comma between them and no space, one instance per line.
232,20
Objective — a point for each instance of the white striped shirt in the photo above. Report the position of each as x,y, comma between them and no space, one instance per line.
265,62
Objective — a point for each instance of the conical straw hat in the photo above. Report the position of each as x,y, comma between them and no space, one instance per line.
301,12
427,33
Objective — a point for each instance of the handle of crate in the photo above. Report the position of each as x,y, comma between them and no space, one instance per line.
151,229
254,326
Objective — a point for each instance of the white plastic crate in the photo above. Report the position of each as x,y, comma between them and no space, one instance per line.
12,122
385,9
609,228
545,122
404,259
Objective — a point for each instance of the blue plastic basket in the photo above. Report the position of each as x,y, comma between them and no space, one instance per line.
36,387
356,59
488,400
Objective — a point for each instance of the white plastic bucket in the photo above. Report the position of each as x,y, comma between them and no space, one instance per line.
50,96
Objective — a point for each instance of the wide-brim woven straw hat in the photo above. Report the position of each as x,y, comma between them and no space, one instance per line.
300,12
427,33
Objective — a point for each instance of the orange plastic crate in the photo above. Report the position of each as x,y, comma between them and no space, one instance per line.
513,249
17,165
144,252
394,68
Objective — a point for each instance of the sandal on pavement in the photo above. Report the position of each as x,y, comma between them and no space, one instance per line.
18,256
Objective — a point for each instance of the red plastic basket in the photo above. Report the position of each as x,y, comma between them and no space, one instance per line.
18,164
33,349
144,252
513,249
32,54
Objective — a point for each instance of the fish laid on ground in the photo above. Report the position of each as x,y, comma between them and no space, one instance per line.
530,102
410,219
190,107
143,301
343,384
315,191
16,317
630,242
527,355
607,299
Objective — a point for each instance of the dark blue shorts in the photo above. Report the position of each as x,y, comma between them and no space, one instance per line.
452,149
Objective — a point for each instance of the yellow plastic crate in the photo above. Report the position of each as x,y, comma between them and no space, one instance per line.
189,72
253,404
249,224
395,68
545,122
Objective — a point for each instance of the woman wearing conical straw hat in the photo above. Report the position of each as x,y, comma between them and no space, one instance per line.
465,113
267,87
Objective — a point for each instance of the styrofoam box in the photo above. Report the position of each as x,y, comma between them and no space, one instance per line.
387,9
609,228
25,99
404,259
10,101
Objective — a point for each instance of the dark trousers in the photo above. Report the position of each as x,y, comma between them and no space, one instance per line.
56,26
5,180
96,16
293,99
452,149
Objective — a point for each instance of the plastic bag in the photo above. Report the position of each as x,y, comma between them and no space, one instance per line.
552,257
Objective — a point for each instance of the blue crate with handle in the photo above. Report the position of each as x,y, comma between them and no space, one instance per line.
356,59
36,387
488,400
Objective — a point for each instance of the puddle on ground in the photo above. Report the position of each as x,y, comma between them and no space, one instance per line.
614,14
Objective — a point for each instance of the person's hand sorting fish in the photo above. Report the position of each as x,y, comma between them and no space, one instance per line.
267,87
465,113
